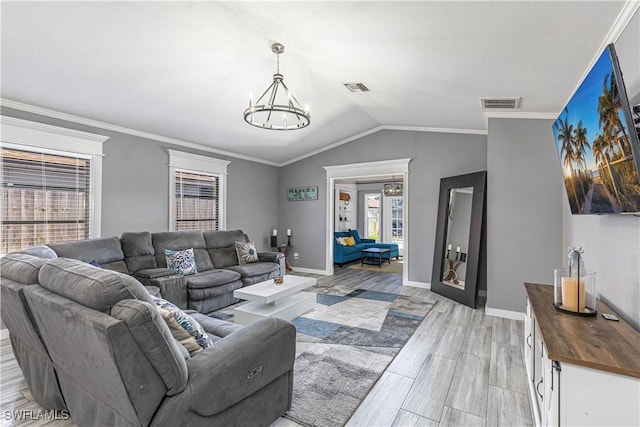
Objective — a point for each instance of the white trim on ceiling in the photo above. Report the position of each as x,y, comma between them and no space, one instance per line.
619,25
519,115
121,129
381,128
147,135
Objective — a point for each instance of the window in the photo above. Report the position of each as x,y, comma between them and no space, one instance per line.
197,192
372,215
48,195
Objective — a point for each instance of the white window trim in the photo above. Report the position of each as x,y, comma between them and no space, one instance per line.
18,133
198,164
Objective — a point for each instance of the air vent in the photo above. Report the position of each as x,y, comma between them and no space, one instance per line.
500,103
356,87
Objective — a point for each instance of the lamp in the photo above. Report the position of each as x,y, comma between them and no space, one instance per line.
393,189
277,108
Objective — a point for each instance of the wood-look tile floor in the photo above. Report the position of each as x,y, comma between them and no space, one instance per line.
460,368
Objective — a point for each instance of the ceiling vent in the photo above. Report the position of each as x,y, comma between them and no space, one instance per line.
356,87
500,103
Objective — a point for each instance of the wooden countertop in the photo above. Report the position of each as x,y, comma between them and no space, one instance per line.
593,342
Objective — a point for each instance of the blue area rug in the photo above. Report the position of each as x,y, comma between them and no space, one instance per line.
344,346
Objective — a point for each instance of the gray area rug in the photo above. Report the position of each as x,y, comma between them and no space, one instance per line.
344,346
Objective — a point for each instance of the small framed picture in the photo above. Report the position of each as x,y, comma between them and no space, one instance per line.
299,194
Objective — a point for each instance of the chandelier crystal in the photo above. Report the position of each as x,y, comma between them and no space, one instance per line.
277,108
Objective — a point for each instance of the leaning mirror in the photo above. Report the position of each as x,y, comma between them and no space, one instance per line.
459,237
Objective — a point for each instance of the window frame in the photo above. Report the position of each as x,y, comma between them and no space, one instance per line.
37,137
197,164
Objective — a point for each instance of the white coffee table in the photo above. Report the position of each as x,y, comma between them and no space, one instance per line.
285,301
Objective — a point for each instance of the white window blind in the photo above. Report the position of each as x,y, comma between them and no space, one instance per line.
197,201
46,197
197,192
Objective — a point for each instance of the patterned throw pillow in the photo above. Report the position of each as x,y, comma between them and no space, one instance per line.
183,327
246,252
182,262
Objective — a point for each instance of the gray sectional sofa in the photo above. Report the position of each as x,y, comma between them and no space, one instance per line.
141,254
91,340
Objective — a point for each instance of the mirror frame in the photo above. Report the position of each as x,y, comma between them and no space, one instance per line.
478,181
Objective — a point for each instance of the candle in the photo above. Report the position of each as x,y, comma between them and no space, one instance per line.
275,232
449,247
457,248
288,232
571,293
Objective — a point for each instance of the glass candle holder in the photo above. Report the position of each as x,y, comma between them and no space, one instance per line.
575,294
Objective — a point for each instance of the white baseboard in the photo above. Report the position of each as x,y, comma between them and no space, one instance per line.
310,271
422,285
496,312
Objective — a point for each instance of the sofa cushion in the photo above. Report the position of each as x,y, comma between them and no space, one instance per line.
178,241
138,251
255,268
180,322
211,279
355,235
182,262
247,252
92,287
21,268
221,246
154,338
216,327
106,251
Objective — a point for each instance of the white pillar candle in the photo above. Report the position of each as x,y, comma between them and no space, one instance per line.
457,248
449,247
275,232
288,232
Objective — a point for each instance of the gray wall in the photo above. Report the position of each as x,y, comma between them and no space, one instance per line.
612,242
524,209
463,154
135,185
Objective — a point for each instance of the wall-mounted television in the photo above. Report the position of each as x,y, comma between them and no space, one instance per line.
598,144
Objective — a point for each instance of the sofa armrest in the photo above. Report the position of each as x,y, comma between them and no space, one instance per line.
172,288
367,240
277,257
244,361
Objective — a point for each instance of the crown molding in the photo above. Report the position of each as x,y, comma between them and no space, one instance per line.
381,128
519,115
619,25
121,129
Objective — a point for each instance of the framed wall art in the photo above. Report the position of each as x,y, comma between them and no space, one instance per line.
299,194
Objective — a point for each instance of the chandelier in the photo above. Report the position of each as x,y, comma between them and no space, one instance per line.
393,189
277,108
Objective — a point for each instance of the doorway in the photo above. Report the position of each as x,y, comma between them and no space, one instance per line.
362,172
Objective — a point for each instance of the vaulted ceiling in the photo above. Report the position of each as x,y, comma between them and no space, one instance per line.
185,70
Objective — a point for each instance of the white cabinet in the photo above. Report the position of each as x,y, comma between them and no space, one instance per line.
581,371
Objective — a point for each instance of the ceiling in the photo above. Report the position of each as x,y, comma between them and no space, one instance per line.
185,70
